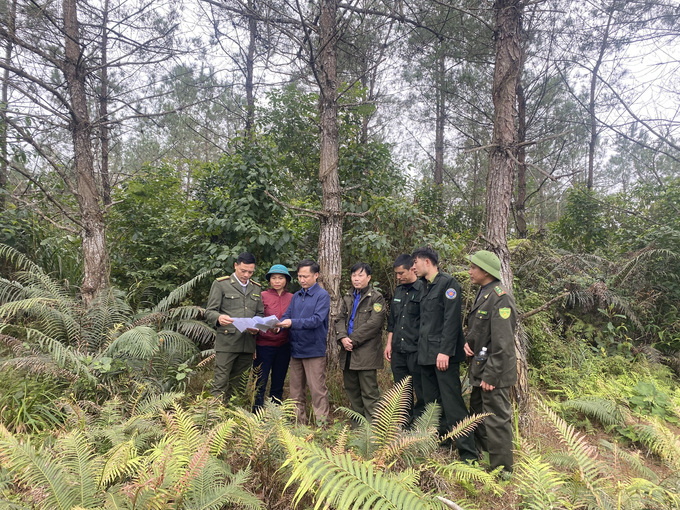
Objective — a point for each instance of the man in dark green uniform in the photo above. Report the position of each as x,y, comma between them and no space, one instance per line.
440,346
358,330
233,296
403,326
490,341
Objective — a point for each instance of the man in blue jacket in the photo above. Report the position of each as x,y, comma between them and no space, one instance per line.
307,318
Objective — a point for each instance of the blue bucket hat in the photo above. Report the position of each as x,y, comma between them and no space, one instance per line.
278,269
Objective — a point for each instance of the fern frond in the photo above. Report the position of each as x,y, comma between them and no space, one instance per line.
462,472
392,413
651,494
604,410
207,494
140,342
343,482
538,483
219,436
661,441
154,403
362,438
633,461
585,455
465,426
430,417
79,459
31,469
181,292
20,261
120,461
341,442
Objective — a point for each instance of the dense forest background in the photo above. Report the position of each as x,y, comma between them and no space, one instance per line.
144,144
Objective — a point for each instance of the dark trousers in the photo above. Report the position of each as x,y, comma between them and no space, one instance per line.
494,435
229,367
274,360
444,387
362,391
403,365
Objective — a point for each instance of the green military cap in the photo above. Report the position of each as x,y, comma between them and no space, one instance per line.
488,261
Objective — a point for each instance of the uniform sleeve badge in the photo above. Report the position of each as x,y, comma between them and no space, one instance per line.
499,291
377,307
504,312
451,293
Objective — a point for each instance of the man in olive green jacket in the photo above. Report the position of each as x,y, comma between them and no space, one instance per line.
490,341
358,329
233,296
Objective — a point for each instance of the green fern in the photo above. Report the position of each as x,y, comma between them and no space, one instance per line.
606,411
538,483
662,441
464,474
391,414
343,483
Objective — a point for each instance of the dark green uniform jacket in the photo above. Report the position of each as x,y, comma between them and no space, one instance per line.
491,324
366,336
404,318
227,297
441,329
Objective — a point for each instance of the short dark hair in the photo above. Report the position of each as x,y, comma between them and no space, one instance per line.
313,266
426,252
360,266
404,260
245,258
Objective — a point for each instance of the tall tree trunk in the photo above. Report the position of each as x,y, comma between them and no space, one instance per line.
104,110
440,106
330,234
501,164
250,68
591,103
520,205
95,258
4,168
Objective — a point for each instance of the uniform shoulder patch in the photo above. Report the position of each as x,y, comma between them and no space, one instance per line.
377,307
498,290
222,278
451,293
504,312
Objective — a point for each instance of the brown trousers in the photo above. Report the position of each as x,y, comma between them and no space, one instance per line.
312,372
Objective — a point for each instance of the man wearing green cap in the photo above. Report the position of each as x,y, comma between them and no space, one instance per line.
490,342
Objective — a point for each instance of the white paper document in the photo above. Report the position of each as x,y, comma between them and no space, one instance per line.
261,323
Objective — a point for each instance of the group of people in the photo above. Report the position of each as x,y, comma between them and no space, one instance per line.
425,341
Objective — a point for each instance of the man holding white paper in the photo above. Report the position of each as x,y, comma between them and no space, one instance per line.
233,296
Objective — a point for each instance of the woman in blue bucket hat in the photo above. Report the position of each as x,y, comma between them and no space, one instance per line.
273,349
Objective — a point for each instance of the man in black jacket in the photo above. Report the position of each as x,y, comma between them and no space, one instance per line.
440,346
403,327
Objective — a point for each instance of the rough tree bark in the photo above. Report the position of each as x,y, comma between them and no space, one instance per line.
330,233
95,258
104,110
501,159
4,168
520,206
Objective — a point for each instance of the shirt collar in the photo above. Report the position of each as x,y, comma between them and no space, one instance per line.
431,280
309,291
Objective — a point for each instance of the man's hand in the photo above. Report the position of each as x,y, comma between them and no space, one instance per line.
486,386
442,362
388,351
224,320
253,331
347,344
467,350
284,324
